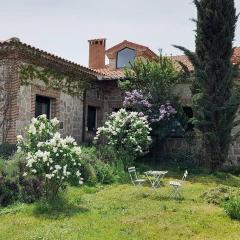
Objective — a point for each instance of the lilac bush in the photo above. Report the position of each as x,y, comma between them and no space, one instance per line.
50,157
143,104
126,132
136,99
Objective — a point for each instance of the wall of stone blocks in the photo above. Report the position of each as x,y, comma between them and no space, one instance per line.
68,109
113,96
69,112
71,116
24,101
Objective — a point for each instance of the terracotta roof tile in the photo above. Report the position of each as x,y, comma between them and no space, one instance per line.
110,74
16,42
236,55
184,59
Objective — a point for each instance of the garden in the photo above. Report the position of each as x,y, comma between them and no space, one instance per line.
125,185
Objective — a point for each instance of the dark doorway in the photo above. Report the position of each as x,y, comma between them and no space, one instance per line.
91,120
189,114
42,106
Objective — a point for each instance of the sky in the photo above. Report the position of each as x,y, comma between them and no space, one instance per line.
62,27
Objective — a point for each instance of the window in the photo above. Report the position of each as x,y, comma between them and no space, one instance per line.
42,106
92,118
124,57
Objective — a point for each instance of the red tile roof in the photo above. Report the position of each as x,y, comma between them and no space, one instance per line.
110,74
15,42
184,59
236,56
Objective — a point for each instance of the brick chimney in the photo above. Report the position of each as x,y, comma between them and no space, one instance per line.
97,53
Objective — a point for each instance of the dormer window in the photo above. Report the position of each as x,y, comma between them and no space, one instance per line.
125,56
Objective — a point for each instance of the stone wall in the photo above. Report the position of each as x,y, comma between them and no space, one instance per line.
71,116
234,154
194,147
21,107
25,109
113,96
69,112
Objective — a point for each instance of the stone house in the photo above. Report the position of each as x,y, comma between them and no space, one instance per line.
19,103
79,115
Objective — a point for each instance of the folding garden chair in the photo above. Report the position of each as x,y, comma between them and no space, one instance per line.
176,185
134,178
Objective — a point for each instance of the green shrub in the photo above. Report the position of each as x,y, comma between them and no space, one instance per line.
49,156
101,165
89,157
126,132
105,173
7,150
232,207
31,190
106,154
13,186
88,174
9,190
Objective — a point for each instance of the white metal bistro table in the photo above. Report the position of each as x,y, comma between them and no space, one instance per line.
155,177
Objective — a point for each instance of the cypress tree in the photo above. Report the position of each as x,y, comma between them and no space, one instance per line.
215,97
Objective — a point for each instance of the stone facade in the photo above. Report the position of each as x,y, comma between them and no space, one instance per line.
21,99
18,103
66,108
25,109
71,116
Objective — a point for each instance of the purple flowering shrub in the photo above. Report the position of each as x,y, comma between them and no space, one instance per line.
137,100
155,113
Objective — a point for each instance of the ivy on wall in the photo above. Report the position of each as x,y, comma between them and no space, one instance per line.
68,83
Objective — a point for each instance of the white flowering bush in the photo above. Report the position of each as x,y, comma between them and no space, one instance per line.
49,156
127,132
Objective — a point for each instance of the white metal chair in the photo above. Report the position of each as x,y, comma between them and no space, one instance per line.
134,178
176,185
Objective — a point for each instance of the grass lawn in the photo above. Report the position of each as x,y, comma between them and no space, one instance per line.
118,212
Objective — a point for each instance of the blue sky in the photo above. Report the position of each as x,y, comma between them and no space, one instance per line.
63,27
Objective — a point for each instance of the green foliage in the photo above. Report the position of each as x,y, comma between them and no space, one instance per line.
69,83
7,150
215,98
31,189
105,173
122,211
50,157
127,133
157,77
13,186
156,80
101,165
9,191
232,208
